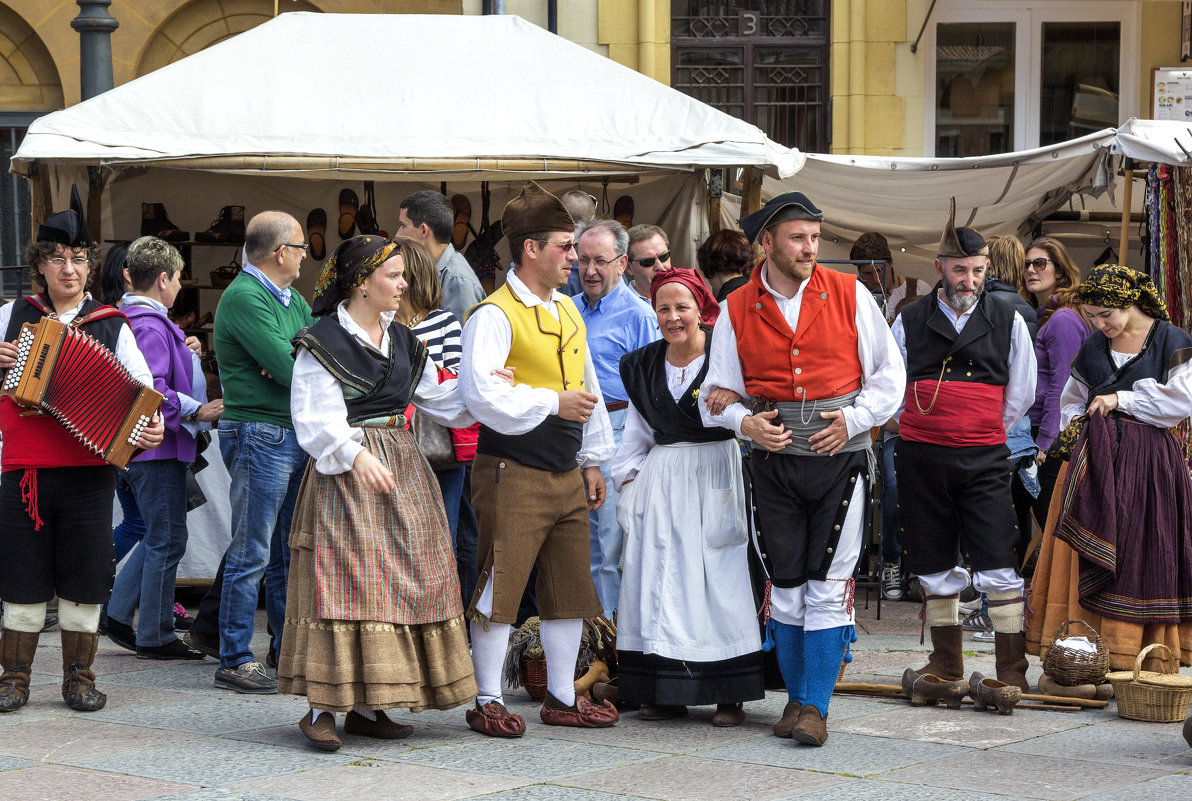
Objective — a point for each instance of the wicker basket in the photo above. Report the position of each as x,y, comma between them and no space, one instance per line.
533,678
1069,666
1150,696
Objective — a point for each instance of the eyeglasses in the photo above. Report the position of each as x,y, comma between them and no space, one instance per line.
566,247
58,262
304,248
599,262
1038,264
649,261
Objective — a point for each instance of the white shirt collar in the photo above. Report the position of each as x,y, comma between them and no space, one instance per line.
523,293
353,328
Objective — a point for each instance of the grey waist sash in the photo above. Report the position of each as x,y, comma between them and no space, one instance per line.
803,419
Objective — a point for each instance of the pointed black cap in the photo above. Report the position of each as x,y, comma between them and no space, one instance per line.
67,228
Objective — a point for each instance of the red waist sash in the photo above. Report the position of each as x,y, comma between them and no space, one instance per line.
38,440
956,414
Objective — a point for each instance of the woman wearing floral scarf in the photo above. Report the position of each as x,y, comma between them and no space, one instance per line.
1117,551
373,617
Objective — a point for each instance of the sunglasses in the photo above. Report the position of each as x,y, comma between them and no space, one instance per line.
1038,264
649,262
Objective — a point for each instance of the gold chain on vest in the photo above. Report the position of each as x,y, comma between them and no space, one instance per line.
938,381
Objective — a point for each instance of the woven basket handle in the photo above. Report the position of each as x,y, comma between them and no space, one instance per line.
1168,659
1064,628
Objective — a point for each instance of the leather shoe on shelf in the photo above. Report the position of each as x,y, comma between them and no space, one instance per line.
495,720
349,204
812,728
316,233
728,715
661,712
175,649
926,689
209,646
790,716
122,634
583,714
461,207
991,692
382,728
321,733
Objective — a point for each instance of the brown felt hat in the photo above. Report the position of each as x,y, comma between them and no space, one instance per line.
959,243
535,211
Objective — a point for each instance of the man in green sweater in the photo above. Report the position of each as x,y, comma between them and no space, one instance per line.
257,317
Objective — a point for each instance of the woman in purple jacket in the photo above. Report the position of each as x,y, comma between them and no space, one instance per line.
1049,280
158,477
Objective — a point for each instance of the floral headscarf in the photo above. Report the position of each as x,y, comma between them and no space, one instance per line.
348,267
1116,287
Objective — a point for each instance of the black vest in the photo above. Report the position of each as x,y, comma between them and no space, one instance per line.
105,331
1165,347
552,445
979,354
387,382
644,374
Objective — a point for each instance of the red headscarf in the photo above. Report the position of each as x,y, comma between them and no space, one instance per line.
709,309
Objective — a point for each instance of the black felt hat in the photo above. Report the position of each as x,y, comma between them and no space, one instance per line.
788,206
959,243
69,227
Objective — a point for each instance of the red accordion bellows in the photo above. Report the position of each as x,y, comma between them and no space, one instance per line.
66,373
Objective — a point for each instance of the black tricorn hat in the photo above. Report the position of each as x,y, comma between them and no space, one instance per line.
69,227
787,206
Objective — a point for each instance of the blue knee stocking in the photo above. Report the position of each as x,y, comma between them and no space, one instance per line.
789,647
823,651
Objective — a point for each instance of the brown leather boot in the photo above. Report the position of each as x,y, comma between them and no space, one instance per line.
946,659
78,680
1010,653
16,655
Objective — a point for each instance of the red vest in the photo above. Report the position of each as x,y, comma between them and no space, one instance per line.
816,362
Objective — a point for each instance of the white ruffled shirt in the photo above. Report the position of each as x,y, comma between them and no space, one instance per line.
1160,404
320,413
521,408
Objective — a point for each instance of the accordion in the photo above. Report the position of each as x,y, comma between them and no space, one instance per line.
65,373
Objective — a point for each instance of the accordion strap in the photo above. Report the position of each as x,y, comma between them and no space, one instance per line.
40,303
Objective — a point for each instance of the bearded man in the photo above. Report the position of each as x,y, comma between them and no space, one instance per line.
970,377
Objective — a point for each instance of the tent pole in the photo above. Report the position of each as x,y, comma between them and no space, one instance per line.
39,201
715,192
1127,200
751,190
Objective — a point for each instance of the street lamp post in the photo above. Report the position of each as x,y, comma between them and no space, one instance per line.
95,26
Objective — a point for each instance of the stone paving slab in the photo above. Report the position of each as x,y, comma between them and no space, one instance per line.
1108,744
880,790
845,754
424,737
1025,775
692,734
13,763
60,782
214,715
532,758
220,795
686,778
184,676
210,762
963,727
1175,788
381,780
69,739
551,792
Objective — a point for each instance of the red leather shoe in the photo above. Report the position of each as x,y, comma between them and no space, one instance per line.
495,720
584,714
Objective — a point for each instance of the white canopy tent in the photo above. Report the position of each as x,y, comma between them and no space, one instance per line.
407,101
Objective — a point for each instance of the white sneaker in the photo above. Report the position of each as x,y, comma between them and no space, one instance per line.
986,635
892,581
968,607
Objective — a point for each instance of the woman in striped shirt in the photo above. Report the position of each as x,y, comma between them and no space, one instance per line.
421,311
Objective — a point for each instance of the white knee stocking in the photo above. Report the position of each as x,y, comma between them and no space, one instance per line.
78,617
488,657
560,643
28,618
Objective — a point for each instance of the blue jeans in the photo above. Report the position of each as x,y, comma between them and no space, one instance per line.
265,464
891,545
132,526
147,580
607,539
451,484
467,539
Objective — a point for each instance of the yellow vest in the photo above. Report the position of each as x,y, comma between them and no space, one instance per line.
546,352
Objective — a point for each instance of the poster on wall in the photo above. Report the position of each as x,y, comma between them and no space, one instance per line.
1173,94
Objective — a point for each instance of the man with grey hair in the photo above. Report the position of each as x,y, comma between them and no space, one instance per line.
426,217
970,377
257,317
618,322
649,251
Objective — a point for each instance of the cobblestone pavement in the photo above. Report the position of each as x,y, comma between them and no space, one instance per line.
168,734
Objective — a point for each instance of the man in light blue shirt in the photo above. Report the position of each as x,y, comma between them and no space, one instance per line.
618,321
